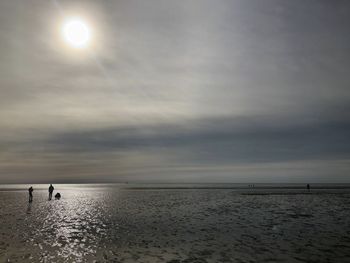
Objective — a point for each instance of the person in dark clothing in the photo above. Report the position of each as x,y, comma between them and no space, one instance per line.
51,188
57,196
308,187
30,190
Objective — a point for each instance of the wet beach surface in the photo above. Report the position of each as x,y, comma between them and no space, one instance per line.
106,224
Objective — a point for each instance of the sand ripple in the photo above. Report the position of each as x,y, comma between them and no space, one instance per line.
114,225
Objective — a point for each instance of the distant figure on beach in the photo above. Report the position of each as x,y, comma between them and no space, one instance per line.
30,190
51,188
308,187
58,196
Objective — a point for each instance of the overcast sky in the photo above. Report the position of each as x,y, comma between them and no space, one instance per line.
176,91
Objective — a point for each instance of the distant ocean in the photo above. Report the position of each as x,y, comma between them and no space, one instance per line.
238,186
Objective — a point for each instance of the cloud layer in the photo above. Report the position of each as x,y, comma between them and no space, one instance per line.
176,91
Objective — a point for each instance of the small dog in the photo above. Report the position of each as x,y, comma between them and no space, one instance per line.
58,196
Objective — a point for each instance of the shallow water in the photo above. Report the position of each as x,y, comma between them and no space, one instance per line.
110,223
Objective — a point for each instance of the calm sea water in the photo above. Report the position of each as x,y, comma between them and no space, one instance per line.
176,223
238,186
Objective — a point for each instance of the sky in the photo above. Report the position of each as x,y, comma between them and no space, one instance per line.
176,91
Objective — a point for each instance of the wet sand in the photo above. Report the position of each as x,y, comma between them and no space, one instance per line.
107,224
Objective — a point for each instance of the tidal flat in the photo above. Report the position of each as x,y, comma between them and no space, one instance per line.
110,223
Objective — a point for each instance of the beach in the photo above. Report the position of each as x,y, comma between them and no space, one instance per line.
114,223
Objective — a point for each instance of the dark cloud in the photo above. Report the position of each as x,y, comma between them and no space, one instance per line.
222,140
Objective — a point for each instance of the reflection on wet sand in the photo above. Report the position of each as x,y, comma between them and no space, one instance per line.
114,225
29,208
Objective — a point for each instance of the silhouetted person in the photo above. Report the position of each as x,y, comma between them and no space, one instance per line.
308,187
30,190
58,196
51,188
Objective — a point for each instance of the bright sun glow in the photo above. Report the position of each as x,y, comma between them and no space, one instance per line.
76,33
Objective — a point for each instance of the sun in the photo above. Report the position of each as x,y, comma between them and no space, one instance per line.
76,33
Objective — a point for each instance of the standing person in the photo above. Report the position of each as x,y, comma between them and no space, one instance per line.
30,190
308,187
51,188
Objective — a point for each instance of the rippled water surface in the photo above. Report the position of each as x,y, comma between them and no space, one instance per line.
112,224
